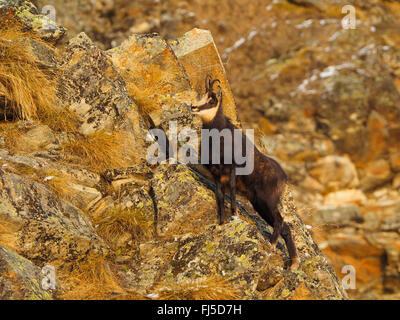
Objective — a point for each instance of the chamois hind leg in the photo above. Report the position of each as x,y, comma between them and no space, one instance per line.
277,225
220,193
287,236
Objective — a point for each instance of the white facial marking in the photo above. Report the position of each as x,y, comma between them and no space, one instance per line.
208,115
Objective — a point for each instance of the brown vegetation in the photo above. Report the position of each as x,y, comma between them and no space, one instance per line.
206,288
8,232
101,150
26,91
90,279
120,221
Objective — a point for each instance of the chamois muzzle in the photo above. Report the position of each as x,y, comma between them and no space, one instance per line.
195,109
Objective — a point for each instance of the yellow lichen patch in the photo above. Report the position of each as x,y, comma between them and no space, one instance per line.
101,150
205,288
131,224
91,279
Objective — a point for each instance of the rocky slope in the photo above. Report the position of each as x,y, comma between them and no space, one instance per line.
325,100
77,193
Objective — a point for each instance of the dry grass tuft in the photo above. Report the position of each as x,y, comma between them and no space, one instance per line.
8,232
62,186
12,29
102,150
11,132
25,88
60,119
90,280
205,288
26,91
135,222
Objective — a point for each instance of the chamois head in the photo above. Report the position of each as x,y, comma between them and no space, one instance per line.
208,105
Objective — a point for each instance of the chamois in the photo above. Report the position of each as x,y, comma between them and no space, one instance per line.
263,187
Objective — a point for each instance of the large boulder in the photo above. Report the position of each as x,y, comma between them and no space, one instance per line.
52,230
190,246
155,79
91,86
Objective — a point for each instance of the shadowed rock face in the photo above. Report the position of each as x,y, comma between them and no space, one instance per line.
151,224
19,278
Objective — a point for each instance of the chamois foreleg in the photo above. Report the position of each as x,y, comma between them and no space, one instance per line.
220,193
232,187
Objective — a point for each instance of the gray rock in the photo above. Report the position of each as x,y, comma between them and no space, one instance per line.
391,223
54,231
90,86
338,216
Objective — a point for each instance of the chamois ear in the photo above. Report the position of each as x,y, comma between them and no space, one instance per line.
208,83
219,93
212,84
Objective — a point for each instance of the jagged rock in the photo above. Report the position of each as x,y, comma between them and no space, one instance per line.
44,54
20,279
156,80
112,91
28,14
391,223
75,17
199,56
377,174
335,173
358,251
238,251
395,161
338,216
345,197
47,168
53,231
378,136
326,5
39,137
389,242
132,189
90,85
184,205
396,181
78,186
343,124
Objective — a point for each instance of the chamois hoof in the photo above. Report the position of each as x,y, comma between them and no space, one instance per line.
295,264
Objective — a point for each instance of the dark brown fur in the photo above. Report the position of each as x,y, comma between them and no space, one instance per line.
263,187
